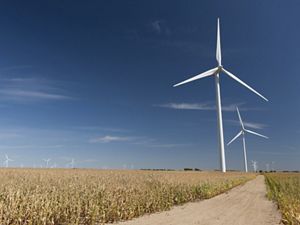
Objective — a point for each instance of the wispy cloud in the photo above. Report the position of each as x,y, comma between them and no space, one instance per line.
30,146
203,106
156,26
16,67
253,125
9,135
160,27
103,128
142,141
168,145
25,94
277,153
154,143
109,139
31,89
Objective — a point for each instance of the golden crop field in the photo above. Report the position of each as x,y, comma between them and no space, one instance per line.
284,188
81,196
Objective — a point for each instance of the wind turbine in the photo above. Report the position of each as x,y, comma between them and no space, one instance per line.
216,73
71,163
47,162
267,167
242,132
272,166
254,164
7,160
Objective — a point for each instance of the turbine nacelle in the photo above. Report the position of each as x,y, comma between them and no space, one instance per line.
220,69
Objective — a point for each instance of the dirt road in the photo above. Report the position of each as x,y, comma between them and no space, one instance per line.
243,205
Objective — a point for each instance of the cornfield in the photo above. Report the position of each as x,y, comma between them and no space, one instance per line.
81,196
284,188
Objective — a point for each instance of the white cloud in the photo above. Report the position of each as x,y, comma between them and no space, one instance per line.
96,128
201,106
31,89
156,26
16,67
30,146
168,145
277,153
160,27
207,106
253,125
108,139
25,94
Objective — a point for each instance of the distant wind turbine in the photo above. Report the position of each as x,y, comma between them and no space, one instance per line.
242,132
272,166
254,164
47,162
267,167
71,163
215,72
6,161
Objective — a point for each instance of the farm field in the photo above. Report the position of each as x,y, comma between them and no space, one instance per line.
284,188
82,196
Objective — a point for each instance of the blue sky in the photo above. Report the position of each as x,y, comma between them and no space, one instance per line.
93,81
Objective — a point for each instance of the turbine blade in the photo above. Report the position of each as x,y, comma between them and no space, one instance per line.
243,83
201,75
218,50
241,122
252,132
239,134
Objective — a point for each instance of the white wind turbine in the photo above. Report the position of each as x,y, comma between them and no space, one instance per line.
47,162
242,132
71,163
267,167
254,165
272,166
6,161
216,72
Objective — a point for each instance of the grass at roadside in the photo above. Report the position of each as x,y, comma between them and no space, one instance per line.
284,188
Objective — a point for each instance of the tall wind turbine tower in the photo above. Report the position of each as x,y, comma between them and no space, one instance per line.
216,73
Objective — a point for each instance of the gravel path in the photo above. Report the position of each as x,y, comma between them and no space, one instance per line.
243,205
